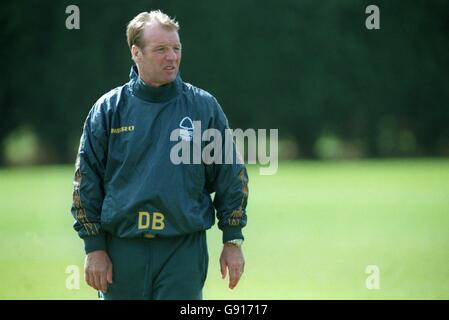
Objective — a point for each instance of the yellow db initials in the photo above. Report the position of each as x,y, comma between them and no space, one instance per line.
153,220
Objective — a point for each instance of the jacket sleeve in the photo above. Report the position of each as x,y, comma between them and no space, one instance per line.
229,181
88,190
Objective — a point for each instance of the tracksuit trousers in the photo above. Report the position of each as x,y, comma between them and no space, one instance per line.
158,268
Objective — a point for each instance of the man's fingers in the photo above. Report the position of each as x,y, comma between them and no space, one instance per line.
90,279
96,281
223,268
98,270
99,280
109,275
234,276
103,282
87,278
232,261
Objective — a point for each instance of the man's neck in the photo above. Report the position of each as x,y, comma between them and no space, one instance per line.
149,82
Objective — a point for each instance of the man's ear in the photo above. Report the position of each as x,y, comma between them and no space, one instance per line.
135,52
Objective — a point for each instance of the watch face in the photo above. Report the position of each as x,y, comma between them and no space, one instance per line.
237,242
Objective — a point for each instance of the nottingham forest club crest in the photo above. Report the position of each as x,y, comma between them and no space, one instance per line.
186,129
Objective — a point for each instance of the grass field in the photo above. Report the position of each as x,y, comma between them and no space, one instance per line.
313,228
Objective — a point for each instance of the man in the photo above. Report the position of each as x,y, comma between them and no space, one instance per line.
142,217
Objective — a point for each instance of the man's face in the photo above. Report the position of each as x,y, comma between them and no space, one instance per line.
158,61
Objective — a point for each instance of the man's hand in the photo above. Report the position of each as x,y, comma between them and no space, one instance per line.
232,258
98,270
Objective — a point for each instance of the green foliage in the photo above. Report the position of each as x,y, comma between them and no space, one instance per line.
306,68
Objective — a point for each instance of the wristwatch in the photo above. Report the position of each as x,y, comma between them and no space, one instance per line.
236,242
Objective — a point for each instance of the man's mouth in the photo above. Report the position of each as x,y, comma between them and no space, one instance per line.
169,68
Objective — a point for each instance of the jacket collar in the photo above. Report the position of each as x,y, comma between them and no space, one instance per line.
153,94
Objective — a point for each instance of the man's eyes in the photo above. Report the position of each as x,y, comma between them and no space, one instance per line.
162,49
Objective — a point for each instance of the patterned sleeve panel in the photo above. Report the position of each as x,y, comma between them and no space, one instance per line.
88,189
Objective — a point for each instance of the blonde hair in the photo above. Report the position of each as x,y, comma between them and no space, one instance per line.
136,26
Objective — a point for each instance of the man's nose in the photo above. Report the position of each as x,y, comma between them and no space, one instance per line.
171,55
